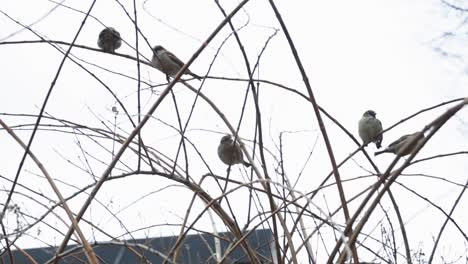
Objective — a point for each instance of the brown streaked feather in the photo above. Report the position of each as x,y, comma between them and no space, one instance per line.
175,59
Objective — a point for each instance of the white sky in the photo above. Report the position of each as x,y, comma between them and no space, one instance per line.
358,55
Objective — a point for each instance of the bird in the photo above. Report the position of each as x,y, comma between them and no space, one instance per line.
168,63
370,129
230,153
109,40
399,146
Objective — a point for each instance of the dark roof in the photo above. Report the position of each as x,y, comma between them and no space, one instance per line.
197,248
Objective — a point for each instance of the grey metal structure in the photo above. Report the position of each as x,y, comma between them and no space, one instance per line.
197,248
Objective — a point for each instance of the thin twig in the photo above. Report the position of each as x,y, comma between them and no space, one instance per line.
89,252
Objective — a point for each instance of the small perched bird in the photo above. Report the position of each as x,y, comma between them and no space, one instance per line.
369,128
230,153
398,147
109,40
168,63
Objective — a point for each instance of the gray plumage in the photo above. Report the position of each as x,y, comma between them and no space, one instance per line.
369,129
168,63
230,153
398,147
109,40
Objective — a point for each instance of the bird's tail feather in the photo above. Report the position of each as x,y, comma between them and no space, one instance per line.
381,152
195,75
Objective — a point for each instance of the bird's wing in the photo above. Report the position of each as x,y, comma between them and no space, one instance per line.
398,141
239,154
175,59
379,124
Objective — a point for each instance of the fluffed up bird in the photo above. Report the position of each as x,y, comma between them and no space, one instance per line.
398,147
369,128
230,153
109,40
168,63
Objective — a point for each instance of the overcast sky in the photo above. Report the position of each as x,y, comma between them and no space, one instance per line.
358,55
